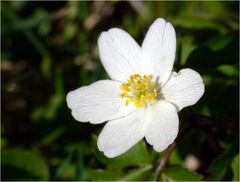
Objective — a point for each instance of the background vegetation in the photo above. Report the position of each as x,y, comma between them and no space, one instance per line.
50,48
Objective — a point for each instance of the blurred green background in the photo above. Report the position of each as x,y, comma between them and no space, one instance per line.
50,48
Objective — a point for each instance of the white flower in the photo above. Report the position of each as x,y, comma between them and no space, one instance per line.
144,95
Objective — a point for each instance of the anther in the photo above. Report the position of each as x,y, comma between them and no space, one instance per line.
139,90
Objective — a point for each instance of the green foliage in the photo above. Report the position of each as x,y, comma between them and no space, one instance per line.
50,48
175,158
220,165
235,168
137,174
179,174
136,156
103,175
19,164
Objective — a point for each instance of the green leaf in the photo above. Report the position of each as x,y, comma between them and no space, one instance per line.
220,165
55,102
46,66
137,174
19,164
102,175
179,174
59,82
65,164
68,173
205,60
220,51
52,136
175,158
228,70
70,30
192,22
3,142
79,164
137,156
187,46
50,111
235,168
220,43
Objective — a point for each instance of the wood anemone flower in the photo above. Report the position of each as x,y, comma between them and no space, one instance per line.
144,94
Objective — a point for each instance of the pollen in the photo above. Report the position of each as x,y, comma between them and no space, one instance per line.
139,90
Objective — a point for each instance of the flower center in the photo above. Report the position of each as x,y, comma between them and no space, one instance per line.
139,90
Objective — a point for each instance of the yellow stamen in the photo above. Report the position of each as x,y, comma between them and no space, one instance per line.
139,90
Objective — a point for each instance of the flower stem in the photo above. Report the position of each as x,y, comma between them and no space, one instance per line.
162,162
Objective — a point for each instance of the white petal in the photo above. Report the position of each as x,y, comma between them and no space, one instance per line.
159,48
184,88
120,135
120,54
162,126
98,102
